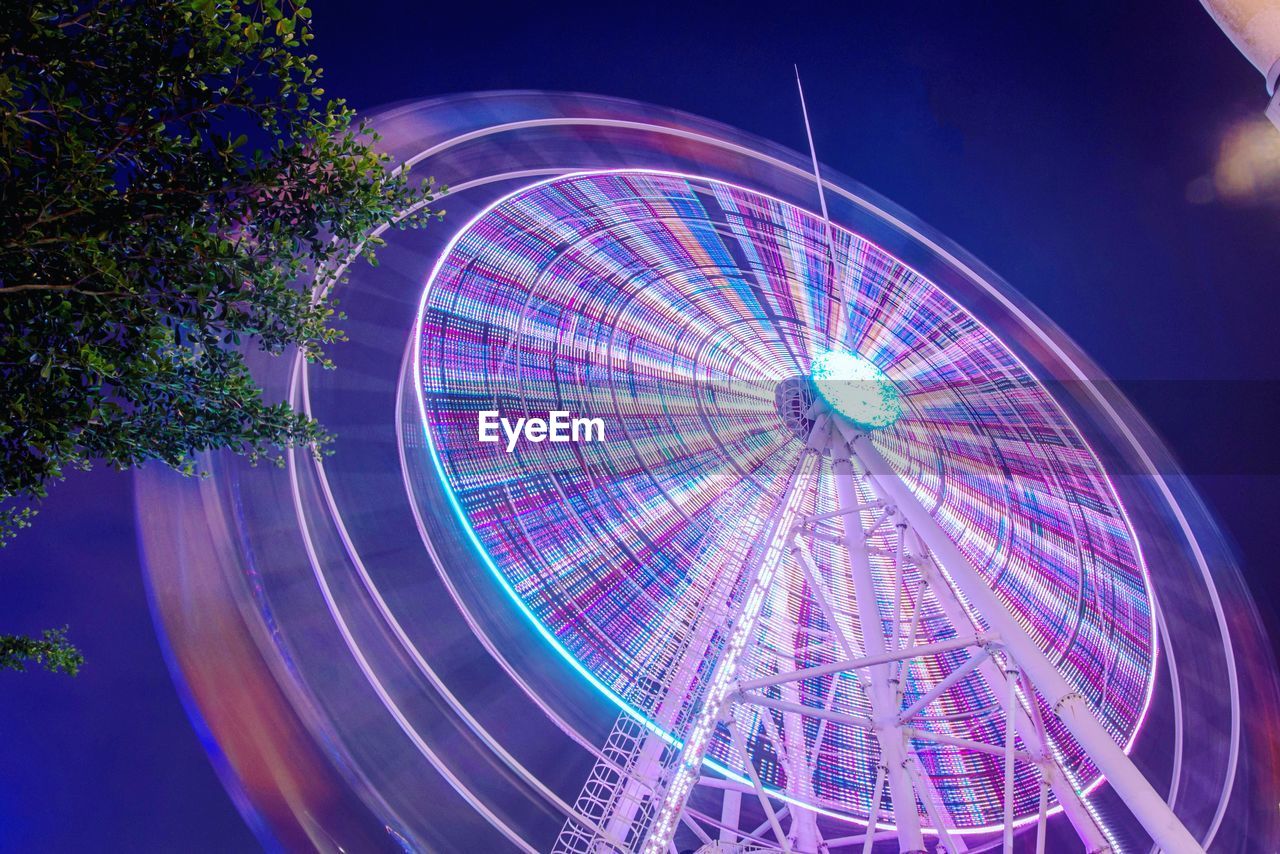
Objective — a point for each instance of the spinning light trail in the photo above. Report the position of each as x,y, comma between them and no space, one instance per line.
865,554
672,307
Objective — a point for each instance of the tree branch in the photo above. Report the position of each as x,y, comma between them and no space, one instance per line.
35,286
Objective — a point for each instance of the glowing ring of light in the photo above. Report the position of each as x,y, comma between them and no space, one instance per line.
449,450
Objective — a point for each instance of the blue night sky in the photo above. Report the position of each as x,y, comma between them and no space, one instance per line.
1056,142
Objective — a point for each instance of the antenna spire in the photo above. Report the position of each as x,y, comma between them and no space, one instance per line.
837,293
817,177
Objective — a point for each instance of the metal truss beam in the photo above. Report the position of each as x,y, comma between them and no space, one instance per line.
881,690
713,706
1139,795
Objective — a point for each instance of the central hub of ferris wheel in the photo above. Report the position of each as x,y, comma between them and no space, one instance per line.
849,385
857,389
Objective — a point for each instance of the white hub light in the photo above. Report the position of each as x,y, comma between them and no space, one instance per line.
857,389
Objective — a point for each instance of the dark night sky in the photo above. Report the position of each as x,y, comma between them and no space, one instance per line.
1054,141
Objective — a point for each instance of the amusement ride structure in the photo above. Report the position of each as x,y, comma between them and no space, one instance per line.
868,558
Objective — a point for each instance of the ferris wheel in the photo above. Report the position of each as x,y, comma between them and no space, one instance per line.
854,550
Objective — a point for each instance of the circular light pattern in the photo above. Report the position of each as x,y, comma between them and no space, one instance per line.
425,644
673,307
857,389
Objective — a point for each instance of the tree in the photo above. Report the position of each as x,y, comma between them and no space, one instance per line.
143,248
52,651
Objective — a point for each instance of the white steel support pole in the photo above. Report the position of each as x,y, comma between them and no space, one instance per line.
820,593
730,811
1010,736
874,818
804,822
688,765
687,821
879,688
761,828
899,578
935,808
1146,804
1042,816
1073,805
791,745
740,742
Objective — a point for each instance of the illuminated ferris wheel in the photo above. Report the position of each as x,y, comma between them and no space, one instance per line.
863,556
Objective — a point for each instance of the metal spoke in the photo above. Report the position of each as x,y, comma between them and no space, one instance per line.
1010,733
867,662
740,744
875,809
945,685
1043,814
881,693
